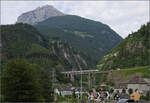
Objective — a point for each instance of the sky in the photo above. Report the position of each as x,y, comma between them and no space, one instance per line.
124,17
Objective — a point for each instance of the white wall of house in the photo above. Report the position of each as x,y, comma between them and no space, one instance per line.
63,93
143,87
57,91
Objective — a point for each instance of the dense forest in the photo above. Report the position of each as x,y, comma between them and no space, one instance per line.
131,52
23,40
25,50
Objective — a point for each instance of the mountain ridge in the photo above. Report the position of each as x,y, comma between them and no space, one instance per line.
91,37
39,14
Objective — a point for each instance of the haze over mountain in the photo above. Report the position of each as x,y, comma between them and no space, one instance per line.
39,14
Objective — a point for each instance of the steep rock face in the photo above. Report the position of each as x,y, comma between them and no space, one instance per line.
39,14
76,60
132,51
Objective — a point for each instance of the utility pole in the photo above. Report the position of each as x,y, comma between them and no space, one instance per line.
80,78
81,83
53,78
53,83
89,80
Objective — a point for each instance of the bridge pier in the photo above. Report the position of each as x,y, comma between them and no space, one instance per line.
90,73
72,77
93,82
67,75
89,80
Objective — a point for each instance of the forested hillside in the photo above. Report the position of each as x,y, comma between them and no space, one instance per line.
24,47
23,40
20,63
131,52
92,38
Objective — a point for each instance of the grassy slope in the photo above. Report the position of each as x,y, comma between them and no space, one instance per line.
123,75
144,71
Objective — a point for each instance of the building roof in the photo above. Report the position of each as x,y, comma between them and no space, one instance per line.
67,88
134,80
121,86
137,80
103,85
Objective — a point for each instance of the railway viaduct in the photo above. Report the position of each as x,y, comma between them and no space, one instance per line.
71,74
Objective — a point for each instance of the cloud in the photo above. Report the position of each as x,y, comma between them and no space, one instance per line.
122,16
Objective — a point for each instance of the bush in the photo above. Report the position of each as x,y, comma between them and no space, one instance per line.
146,97
130,91
20,82
123,90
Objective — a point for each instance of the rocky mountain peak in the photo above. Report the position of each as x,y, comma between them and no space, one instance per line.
39,14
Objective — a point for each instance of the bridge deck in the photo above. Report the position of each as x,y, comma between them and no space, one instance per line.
84,72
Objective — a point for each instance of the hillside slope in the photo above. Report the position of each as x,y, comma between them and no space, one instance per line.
24,41
131,52
76,59
93,38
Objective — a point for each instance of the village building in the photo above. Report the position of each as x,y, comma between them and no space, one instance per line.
119,87
141,84
64,91
102,86
68,90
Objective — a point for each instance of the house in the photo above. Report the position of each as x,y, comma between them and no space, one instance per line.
79,91
66,91
63,91
57,91
103,85
118,68
134,83
120,86
139,83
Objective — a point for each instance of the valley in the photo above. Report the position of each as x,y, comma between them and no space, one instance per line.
50,56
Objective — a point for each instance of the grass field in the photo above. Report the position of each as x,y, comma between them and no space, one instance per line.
144,71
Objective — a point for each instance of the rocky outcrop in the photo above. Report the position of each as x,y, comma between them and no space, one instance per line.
74,58
39,14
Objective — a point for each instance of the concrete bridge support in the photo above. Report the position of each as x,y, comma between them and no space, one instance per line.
72,77
90,73
89,80
68,75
